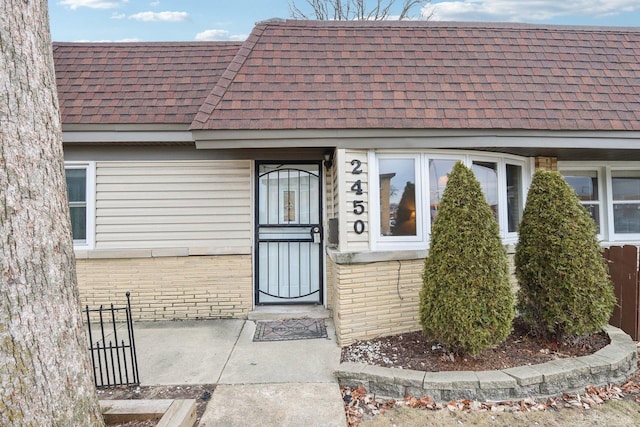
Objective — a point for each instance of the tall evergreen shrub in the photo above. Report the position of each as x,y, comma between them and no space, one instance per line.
564,285
466,302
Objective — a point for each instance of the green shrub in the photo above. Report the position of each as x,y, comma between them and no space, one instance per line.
564,285
466,302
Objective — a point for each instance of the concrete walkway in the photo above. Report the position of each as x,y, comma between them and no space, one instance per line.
283,383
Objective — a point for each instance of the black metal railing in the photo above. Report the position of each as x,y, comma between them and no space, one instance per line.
113,355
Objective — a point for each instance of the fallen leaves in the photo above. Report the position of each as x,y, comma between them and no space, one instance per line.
357,402
360,404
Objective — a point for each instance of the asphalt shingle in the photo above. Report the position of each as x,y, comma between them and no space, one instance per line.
362,75
416,75
137,83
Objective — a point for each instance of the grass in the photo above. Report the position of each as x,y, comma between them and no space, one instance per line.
612,413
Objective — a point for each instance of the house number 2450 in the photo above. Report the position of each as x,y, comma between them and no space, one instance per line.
358,205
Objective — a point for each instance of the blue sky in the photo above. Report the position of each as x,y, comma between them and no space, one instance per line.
172,20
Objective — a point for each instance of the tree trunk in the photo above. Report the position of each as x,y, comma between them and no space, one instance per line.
45,375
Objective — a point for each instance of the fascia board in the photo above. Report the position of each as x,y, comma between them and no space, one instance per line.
125,136
417,139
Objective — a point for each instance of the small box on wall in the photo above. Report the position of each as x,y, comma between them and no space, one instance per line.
332,235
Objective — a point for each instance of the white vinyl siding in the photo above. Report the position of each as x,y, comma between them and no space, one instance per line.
173,204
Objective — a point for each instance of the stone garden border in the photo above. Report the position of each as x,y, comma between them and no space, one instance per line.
614,363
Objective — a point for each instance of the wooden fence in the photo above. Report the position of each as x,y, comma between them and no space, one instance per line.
623,268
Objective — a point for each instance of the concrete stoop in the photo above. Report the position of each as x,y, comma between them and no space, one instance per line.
282,312
613,364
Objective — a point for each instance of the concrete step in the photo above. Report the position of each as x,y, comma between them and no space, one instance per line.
281,312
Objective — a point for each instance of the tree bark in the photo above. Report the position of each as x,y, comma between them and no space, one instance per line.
45,374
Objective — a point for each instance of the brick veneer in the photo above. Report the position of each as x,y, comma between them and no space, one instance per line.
170,288
375,299
378,298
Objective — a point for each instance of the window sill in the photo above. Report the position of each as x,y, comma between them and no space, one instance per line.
346,258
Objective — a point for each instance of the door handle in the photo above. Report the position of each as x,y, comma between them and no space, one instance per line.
315,234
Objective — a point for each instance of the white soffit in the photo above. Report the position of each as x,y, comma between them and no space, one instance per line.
373,139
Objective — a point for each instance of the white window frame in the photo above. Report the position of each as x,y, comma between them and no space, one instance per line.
379,242
425,161
90,168
525,180
423,223
603,210
605,187
610,170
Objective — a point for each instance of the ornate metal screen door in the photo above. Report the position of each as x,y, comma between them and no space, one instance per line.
288,234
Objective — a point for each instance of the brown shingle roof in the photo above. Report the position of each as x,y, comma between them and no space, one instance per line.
415,75
127,83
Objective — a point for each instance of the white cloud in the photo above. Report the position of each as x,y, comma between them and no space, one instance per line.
160,16
238,37
525,10
213,35
118,16
216,35
154,3
91,4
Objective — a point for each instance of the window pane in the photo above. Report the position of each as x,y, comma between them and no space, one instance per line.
594,211
77,193
438,176
514,196
626,186
585,184
397,197
626,218
487,174
79,222
76,185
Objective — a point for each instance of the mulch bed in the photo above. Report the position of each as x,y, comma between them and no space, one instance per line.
415,351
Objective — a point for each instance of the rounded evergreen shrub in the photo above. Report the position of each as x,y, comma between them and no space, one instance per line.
564,285
466,302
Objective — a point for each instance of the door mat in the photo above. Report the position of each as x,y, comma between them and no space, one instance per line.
291,329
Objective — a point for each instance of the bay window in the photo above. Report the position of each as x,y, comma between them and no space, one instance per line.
407,189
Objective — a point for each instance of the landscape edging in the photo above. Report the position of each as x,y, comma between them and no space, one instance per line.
614,363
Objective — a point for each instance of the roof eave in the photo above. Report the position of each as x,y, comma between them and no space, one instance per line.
416,138
126,133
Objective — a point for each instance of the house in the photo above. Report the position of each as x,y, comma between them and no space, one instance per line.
306,165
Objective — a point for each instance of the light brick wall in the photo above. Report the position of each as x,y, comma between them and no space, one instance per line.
330,280
372,300
377,299
170,288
